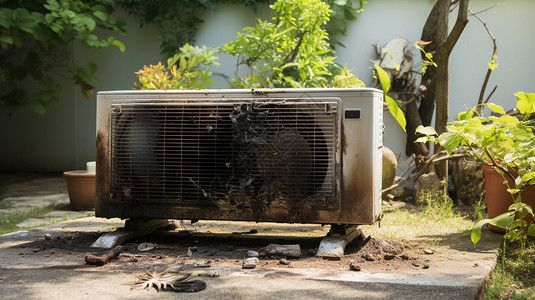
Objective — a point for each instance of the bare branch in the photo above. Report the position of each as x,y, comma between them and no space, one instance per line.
494,54
433,159
491,93
484,10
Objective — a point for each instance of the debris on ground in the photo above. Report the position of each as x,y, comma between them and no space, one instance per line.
250,263
191,266
354,267
168,281
252,231
171,252
291,251
145,247
284,262
91,259
391,247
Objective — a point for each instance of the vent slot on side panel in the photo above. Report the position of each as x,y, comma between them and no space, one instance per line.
224,154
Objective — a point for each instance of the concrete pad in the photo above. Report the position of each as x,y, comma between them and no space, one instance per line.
37,200
27,272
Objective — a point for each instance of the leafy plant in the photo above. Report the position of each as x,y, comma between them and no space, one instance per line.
291,51
188,69
507,144
34,44
177,21
428,60
438,204
346,79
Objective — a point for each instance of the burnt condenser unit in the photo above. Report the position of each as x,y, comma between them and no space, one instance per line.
275,155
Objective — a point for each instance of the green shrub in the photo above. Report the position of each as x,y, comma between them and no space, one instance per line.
34,46
188,69
290,51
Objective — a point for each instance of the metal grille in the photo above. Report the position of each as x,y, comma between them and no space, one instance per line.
224,154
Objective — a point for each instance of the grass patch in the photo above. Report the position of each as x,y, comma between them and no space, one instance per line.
8,222
434,222
514,276
4,205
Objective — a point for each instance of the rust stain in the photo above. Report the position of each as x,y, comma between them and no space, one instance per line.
102,182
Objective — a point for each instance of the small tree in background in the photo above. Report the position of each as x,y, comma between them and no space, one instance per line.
35,41
440,42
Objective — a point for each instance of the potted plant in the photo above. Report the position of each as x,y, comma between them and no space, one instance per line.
505,145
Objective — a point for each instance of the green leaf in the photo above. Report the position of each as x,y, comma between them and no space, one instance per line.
49,18
38,107
531,230
3,20
504,220
465,115
92,67
496,108
396,112
89,22
69,13
383,78
528,178
450,141
119,44
525,103
100,15
6,39
422,139
476,230
427,130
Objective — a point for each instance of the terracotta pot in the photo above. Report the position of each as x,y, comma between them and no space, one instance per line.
499,199
81,186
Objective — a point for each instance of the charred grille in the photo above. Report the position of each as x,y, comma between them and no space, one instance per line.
225,154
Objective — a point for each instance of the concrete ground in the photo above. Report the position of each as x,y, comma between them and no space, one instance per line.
30,272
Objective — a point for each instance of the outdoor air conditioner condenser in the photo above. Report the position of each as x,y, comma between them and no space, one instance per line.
275,155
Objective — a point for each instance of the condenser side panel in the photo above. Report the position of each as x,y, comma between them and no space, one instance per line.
362,159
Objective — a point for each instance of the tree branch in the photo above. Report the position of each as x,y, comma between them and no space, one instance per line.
460,23
491,93
428,162
494,54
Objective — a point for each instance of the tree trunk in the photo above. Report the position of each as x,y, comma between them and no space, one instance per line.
436,80
420,150
442,77
427,102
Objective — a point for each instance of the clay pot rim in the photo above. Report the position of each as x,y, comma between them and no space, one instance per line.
78,173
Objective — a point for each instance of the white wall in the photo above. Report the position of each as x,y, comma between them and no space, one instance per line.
65,137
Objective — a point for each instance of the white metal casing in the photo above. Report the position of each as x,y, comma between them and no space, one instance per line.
356,158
